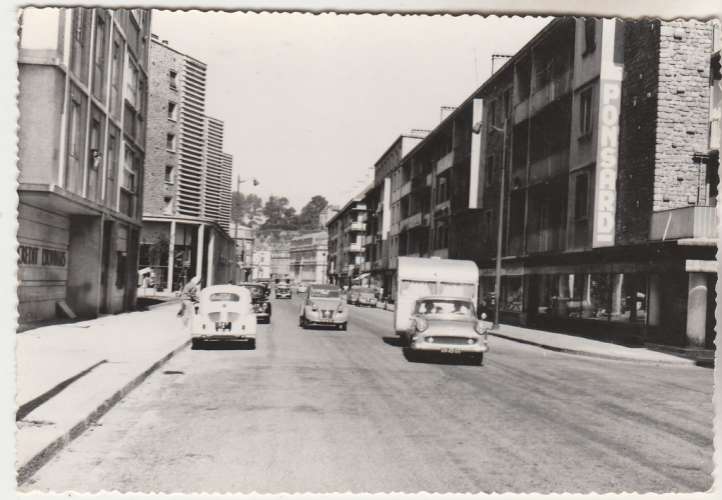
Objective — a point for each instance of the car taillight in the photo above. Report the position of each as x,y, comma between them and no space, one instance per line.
421,324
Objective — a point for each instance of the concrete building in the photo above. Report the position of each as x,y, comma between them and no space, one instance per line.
601,131
187,177
346,233
307,254
378,263
83,76
280,262
261,263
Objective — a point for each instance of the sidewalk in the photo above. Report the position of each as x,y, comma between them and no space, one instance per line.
586,347
68,375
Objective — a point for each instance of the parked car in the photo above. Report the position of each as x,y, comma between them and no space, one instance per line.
259,298
301,288
366,297
352,294
323,305
283,291
448,326
224,312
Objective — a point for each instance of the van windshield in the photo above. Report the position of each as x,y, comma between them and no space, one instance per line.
325,293
454,307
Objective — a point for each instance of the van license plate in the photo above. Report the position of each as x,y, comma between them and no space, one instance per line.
450,350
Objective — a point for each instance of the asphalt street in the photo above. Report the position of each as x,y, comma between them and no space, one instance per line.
330,411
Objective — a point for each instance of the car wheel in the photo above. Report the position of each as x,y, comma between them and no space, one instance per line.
252,344
302,322
478,359
344,326
195,344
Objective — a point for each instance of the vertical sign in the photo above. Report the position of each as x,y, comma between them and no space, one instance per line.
478,106
610,90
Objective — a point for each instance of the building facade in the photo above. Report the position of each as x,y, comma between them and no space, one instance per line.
187,177
280,263
83,76
245,238
597,133
346,238
307,254
261,263
379,263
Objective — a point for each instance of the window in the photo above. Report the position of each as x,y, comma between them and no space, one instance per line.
585,113
492,114
129,175
74,129
581,196
169,174
99,58
590,28
173,79
170,142
116,76
79,50
172,111
168,209
132,85
112,166
507,103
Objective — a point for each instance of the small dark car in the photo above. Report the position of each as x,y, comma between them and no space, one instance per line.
283,291
259,300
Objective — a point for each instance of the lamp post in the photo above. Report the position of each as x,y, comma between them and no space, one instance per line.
500,228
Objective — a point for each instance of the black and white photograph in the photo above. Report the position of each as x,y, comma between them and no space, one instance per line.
327,251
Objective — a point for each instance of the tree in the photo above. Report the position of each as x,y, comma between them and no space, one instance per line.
244,207
310,213
278,212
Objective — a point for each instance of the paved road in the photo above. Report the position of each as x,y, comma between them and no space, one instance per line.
327,411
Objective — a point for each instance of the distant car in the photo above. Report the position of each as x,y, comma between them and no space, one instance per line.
301,288
323,305
283,291
366,297
447,325
352,294
261,304
224,312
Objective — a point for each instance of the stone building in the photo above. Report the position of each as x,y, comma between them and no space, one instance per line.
599,131
307,254
187,177
83,76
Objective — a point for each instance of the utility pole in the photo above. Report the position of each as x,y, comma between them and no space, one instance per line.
500,229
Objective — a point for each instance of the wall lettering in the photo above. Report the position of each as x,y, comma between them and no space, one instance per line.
34,256
605,199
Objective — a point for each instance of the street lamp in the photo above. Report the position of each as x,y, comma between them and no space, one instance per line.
500,229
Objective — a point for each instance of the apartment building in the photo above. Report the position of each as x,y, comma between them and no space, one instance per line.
346,235
261,263
187,194
379,263
83,76
596,142
307,255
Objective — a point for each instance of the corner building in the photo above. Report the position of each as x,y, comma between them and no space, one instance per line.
603,133
187,177
83,76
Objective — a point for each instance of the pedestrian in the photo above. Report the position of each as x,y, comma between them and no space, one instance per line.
190,293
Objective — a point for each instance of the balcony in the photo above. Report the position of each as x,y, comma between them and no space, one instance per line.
548,167
365,267
356,226
405,189
554,89
359,206
445,163
354,247
686,222
411,222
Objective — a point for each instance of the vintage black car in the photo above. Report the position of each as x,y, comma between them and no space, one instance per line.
259,299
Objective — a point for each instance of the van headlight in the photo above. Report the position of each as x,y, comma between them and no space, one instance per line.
421,324
480,327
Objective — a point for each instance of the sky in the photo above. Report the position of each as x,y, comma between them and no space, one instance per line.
310,102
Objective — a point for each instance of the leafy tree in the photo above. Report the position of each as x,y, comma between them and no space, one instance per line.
245,207
310,213
278,212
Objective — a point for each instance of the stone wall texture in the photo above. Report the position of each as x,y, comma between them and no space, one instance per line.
162,60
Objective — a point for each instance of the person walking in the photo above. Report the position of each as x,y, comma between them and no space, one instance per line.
190,293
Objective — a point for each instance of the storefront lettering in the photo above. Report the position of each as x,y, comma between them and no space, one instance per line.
606,185
33,256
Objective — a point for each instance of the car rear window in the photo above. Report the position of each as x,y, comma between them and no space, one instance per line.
225,297
325,292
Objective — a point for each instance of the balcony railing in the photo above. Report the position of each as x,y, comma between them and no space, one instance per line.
359,206
354,247
554,89
684,222
356,226
550,166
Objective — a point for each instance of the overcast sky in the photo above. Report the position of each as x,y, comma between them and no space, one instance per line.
310,102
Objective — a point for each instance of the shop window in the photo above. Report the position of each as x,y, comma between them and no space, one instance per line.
511,294
590,33
585,113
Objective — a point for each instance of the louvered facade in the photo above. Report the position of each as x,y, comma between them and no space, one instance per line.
192,132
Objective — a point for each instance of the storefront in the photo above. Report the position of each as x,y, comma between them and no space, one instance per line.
668,300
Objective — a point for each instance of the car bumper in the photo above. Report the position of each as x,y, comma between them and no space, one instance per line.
317,320
225,336
440,347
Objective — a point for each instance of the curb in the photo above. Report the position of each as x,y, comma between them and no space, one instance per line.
577,352
25,471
